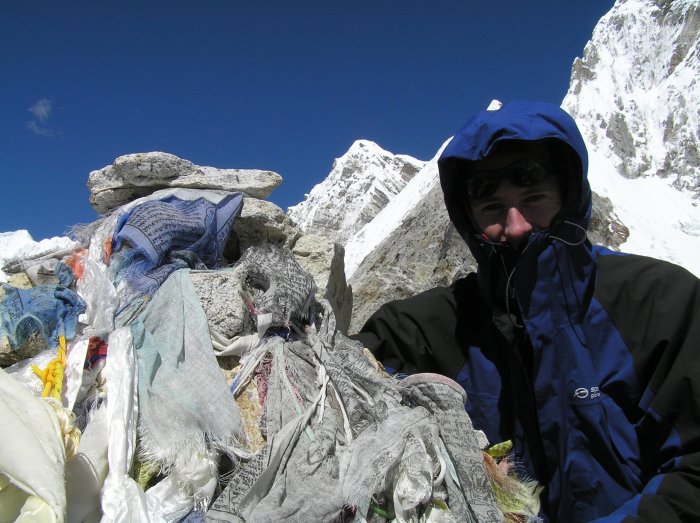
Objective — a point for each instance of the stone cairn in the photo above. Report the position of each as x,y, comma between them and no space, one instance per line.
317,431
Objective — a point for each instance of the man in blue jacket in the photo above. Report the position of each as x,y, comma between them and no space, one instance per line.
587,360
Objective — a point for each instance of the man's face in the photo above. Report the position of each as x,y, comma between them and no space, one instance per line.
514,192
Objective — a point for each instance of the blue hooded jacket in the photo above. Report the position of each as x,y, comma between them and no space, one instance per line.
580,356
552,285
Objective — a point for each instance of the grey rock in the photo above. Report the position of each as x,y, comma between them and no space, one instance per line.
34,344
260,222
622,141
135,175
324,260
424,252
219,293
605,227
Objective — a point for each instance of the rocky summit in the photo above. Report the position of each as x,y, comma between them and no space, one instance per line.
185,357
361,183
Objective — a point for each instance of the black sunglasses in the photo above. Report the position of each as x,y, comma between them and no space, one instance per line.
522,173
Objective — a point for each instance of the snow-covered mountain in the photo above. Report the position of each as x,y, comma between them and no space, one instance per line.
390,217
360,183
635,94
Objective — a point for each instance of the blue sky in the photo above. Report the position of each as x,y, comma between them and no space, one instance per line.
280,85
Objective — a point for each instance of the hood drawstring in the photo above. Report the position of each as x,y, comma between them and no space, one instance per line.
509,291
571,244
510,294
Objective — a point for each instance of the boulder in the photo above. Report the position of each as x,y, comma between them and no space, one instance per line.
135,175
32,346
219,292
425,251
260,222
324,260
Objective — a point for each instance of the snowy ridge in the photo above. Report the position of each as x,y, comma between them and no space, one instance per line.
389,219
358,187
20,245
663,222
635,97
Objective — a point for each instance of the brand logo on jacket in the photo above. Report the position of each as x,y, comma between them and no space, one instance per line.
583,393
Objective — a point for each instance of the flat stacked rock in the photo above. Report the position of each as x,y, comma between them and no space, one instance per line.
135,175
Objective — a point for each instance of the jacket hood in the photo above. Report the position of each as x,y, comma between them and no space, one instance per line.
521,121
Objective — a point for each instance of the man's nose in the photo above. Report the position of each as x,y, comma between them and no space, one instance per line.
517,228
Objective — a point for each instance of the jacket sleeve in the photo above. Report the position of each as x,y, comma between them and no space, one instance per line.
418,334
656,308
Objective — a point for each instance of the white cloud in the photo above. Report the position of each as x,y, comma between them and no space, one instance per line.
41,109
34,127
